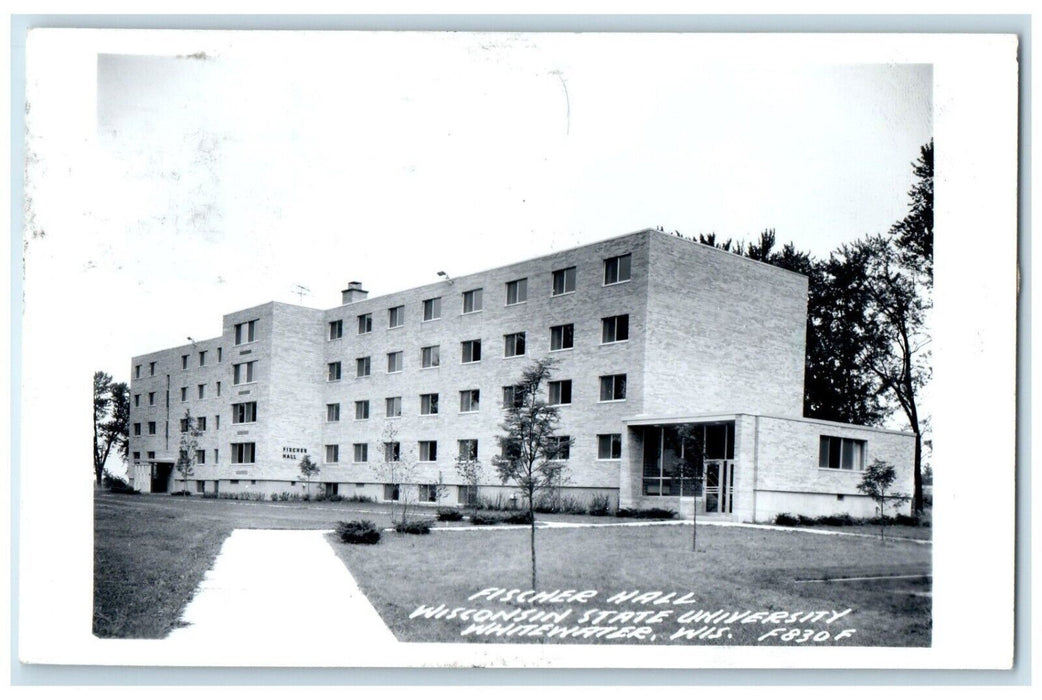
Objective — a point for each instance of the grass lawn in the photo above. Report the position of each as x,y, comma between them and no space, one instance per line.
152,551
735,569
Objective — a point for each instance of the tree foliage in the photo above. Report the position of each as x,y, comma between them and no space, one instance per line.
529,444
397,467
111,420
188,447
876,483
308,469
914,233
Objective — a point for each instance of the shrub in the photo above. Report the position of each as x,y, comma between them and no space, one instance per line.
181,493
785,519
335,498
808,520
484,519
600,505
117,484
646,513
413,527
359,499
522,517
449,514
842,519
911,520
358,532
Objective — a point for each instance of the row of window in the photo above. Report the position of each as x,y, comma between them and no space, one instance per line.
614,329
559,393
245,412
245,332
609,447
616,270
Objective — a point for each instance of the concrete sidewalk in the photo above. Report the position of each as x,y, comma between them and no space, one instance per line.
278,588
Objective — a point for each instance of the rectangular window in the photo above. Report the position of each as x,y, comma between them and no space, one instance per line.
564,281
217,422
151,455
514,345
151,369
394,406
615,328
332,454
392,451
200,457
613,387
218,389
333,372
428,404
202,391
137,429
184,361
242,373
562,337
394,362
365,324
391,492
244,412
428,493
841,453
469,400
137,456
363,367
202,358
472,301
151,398
362,410
137,371
428,450
431,356
184,425
200,423
560,392
361,452
432,309
332,412
151,427
184,393
468,450
220,357
467,495
243,452
395,317
617,269
137,400
560,447
513,396
245,332
336,329
517,291
471,350
216,455
609,446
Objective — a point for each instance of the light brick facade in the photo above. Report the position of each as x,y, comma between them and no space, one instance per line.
708,333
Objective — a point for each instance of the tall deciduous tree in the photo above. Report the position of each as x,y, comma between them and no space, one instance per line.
897,342
111,420
529,444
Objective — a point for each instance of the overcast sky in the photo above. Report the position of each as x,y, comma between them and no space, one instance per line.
224,170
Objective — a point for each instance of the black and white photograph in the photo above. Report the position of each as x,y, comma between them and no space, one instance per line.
511,349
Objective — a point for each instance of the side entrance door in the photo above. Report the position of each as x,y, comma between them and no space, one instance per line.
719,486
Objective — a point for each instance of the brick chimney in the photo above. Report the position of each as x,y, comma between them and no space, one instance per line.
353,293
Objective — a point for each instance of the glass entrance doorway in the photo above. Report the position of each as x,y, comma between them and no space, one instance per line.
719,486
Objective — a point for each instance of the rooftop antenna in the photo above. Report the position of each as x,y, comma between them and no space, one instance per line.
300,290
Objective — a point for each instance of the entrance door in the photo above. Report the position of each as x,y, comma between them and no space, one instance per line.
719,486
161,477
